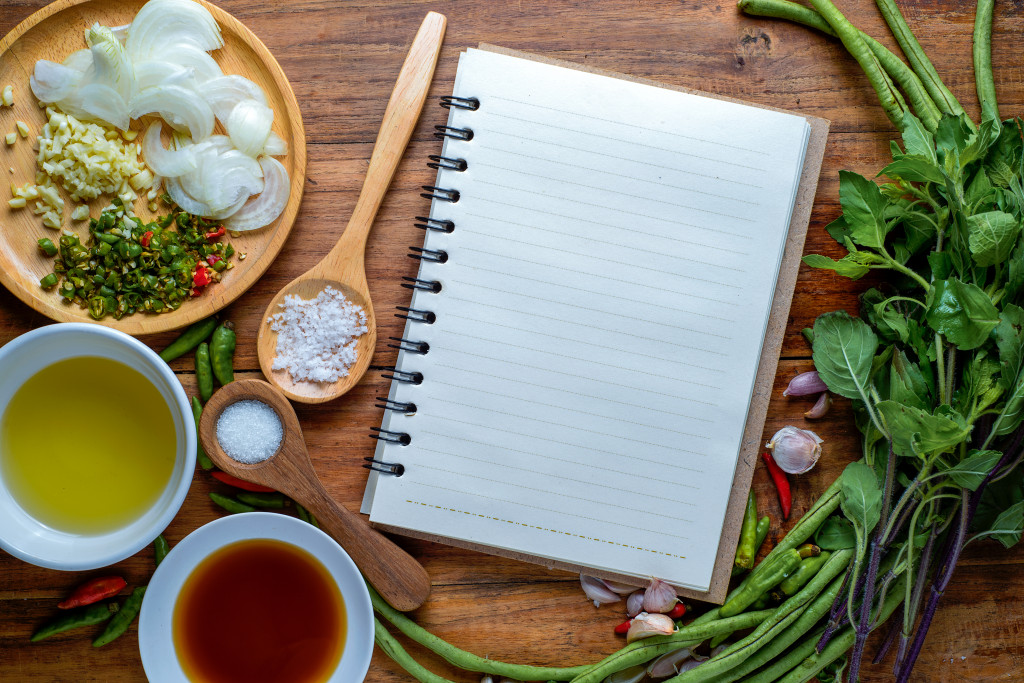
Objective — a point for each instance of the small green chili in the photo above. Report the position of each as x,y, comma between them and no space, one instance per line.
230,504
117,626
85,616
222,353
262,500
202,459
748,534
189,339
160,549
204,372
305,515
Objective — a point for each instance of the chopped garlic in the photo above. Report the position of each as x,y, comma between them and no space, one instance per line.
8,96
22,128
11,138
80,213
129,135
16,203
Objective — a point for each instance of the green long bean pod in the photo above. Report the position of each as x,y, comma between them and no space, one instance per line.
919,61
983,59
393,649
643,651
786,614
898,71
888,95
468,660
782,666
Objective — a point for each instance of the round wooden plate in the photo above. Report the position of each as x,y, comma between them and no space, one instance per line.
53,33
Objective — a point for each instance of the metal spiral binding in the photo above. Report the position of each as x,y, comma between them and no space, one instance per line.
432,192
470,103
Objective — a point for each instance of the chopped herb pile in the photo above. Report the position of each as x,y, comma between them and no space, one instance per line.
129,266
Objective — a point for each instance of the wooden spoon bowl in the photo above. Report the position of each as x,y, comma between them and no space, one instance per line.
343,267
396,575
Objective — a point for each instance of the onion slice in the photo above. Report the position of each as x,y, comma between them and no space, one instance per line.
268,205
190,56
163,23
276,146
96,101
79,60
249,126
165,162
225,92
183,199
154,73
229,178
183,103
52,82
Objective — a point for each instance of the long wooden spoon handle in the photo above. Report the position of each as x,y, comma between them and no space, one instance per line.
400,119
396,575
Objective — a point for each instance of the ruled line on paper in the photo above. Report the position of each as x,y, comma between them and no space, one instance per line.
506,186
602,277
646,267
560,494
590,362
492,427
556,531
632,143
571,410
600,346
568,461
586,150
635,125
570,374
617,245
675,224
593,310
566,391
646,181
618,488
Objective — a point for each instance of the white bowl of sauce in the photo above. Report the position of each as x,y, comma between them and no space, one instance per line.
256,597
97,446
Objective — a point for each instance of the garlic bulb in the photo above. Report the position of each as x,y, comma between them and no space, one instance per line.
645,625
795,450
659,597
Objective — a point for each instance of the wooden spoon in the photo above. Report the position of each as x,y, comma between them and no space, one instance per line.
396,575
343,267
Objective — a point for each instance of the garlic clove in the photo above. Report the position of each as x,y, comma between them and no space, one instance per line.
632,674
634,604
820,408
597,591
805,384
645,625
795,450
659,597
668,664
618,587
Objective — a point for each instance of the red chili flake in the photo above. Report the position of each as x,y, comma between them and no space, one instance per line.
212,258
219,232
146,238
623,628
201,277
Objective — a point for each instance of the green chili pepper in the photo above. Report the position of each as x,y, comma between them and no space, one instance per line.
305,516
47,246
222,353
48,281
763,527
201,457
189,339
262,500
160,549
85,616
204,372
230,504
123,619
804,573
767,575
748,534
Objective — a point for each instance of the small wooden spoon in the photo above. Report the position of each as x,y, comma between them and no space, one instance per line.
396,575
343,266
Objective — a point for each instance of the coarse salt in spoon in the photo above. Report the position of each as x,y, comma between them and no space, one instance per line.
343,268
396,575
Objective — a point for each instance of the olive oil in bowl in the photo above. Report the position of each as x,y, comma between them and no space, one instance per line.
87,445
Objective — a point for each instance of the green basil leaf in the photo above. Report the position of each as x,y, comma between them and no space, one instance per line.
863,208
962,312
917,139
1009,335
916,432
846,266
861,500
972,470
1015,273
843,350
1004,155
906,382
835,533
914,169
992,236
979,190
941,264
1008,525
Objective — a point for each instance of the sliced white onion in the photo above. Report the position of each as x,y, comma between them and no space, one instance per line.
225,92
52,82
79,60
165,162
229,211
183,199
121,32
276,146
204,66
229,178
169,22
110,64
249,126
150,74
267,206
179,101
96,101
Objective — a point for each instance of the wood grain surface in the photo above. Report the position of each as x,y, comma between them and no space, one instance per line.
342,59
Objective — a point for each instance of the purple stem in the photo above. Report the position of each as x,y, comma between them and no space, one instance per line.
915,596
837,614
890,638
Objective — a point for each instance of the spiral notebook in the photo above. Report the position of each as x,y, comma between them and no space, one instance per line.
596,321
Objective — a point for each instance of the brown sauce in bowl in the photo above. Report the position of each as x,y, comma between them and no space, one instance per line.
259,611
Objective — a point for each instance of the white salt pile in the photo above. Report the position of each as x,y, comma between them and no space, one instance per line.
249,431
316,338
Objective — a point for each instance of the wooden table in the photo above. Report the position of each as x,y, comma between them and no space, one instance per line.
342,59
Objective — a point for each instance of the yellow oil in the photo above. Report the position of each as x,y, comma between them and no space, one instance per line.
87,445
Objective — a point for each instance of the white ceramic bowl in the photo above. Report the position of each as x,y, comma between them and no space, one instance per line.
31,540
156,639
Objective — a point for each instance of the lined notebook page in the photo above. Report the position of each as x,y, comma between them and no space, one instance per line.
600,321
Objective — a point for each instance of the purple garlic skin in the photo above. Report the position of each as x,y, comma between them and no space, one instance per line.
659,597
805,384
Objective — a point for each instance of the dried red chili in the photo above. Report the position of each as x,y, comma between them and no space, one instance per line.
94,590
623,628
781,483
226,478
